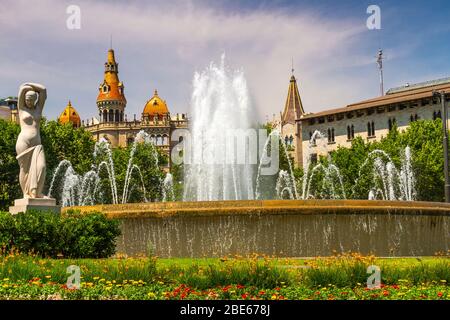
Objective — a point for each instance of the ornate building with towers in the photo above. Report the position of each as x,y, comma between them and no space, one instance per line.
112,123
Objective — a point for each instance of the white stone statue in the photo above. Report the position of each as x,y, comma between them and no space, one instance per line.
30,152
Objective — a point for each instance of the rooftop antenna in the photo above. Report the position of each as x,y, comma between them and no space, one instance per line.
380,68
292,68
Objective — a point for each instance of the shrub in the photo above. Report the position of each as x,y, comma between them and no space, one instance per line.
47,234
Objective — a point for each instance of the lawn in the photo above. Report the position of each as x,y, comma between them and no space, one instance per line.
256,277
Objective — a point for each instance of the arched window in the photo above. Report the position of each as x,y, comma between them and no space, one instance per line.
353,131
416,117
369,129
348,133
390,124
158,140
373,129
286,139
332,134
329,135
291,140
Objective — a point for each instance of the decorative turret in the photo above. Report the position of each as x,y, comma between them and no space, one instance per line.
70,115
111,101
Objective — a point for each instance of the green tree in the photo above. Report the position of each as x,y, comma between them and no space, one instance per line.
9,168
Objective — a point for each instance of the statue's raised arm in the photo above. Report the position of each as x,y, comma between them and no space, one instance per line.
29,93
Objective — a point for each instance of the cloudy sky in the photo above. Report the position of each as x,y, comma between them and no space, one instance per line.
160,44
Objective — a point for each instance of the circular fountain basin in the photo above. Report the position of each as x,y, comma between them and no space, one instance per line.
282,228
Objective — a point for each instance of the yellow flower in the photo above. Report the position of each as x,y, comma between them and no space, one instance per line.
151,295
48,277
96,278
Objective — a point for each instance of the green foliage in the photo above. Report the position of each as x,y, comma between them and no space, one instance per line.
425,140
59,141
66,142
335,278
50,235
9,168
152,174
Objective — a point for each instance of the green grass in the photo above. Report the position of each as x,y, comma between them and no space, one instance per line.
295,278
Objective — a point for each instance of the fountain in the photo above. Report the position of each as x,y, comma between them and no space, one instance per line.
389,183
85,189
223,211
220,109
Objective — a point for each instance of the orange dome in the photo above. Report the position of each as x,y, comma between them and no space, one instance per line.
70,115
156,106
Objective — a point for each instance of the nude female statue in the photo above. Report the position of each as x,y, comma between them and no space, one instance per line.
30,153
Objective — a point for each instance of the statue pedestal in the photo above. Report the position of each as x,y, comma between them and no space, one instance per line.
42,204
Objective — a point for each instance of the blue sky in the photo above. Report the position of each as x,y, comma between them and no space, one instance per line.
159,45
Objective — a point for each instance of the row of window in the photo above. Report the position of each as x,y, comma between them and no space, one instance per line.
111,116
371,127
155,140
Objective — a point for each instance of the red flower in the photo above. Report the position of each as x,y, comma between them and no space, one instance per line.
244,296
239,286
395,286
344,293
261,293
439,294
317,292
385,293
277,288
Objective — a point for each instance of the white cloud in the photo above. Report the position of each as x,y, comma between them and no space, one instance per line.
161,45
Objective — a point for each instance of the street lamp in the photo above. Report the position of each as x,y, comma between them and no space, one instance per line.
441,95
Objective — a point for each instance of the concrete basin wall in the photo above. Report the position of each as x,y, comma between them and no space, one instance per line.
284,228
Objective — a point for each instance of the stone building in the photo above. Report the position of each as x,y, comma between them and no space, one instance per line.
370,119
8,109
113,125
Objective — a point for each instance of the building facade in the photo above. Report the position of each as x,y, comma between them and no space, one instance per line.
370,119
113,125
8,109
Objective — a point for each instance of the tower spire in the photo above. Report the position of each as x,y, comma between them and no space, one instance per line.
380,68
